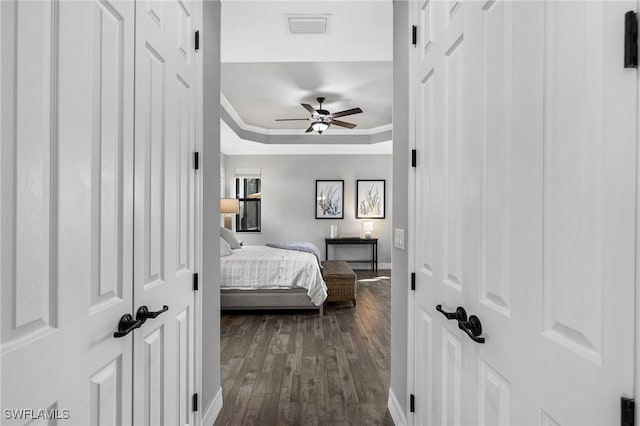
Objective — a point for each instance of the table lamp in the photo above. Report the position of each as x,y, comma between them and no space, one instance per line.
367,227
228,207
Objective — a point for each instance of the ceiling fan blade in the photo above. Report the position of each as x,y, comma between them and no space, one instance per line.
309,108
343,124
310,129
347,112
292,119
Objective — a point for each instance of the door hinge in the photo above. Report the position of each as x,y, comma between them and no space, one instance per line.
197,41
627,411
194,402
414,158
413,281
414,35
630,40
195,282
196,160
412,403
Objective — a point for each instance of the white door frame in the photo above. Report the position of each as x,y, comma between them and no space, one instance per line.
198,219
636,389
411,231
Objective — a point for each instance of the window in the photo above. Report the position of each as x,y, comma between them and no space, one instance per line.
248,192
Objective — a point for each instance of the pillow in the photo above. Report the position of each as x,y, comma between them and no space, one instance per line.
225,250
230,238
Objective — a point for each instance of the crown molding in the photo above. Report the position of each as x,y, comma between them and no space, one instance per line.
231,144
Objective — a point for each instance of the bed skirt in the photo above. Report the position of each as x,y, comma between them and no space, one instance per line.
273,299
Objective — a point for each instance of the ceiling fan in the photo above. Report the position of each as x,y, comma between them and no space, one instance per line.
322,119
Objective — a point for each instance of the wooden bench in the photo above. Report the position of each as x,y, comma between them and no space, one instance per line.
341,281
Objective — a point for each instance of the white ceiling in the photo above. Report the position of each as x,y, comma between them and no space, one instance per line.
262,92
267,71
257,31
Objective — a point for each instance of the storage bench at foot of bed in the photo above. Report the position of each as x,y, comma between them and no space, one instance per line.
341,281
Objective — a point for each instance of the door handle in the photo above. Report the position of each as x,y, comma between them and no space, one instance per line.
126,325
143,313
460,314
473,328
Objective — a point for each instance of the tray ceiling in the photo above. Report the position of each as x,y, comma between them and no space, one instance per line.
267,70
262,92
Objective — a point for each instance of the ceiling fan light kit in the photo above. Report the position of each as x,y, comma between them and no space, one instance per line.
319,126
322,118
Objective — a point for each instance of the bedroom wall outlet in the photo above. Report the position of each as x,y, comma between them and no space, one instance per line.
398,240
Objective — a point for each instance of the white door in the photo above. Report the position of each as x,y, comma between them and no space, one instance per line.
66,90
525,212
445,167
164,209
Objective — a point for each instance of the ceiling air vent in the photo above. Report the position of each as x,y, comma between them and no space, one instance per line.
307,24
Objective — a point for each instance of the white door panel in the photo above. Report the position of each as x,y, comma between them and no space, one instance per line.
451,379
525,193
27,169
424,345
588,185
497,122
67,174
494,394
164,379
442,200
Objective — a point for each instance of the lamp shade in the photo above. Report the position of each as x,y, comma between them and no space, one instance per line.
229,205
367,227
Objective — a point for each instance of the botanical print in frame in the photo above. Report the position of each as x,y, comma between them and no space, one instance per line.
329,199
370,199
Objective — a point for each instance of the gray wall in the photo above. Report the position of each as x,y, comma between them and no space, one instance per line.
288,199
401,170
210,285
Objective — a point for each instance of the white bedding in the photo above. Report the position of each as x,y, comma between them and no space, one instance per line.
261,267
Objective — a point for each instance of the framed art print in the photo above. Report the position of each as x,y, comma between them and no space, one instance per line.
329,199
370,200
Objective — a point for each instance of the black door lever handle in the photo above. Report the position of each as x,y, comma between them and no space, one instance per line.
460,314
144,314
126,325
473,328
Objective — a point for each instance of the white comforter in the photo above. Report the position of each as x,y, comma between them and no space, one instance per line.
261,267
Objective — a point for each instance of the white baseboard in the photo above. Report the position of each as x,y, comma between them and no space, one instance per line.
395,410
211,413
367,266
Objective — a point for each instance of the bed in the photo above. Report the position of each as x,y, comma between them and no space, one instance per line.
261,277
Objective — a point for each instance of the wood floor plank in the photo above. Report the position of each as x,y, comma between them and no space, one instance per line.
309,414
238,398
268,414
252,413
349,347
295,388
287,411
298,368
346,377
229,375
309,381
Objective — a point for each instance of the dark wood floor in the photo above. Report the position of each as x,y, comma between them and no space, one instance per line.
282,368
